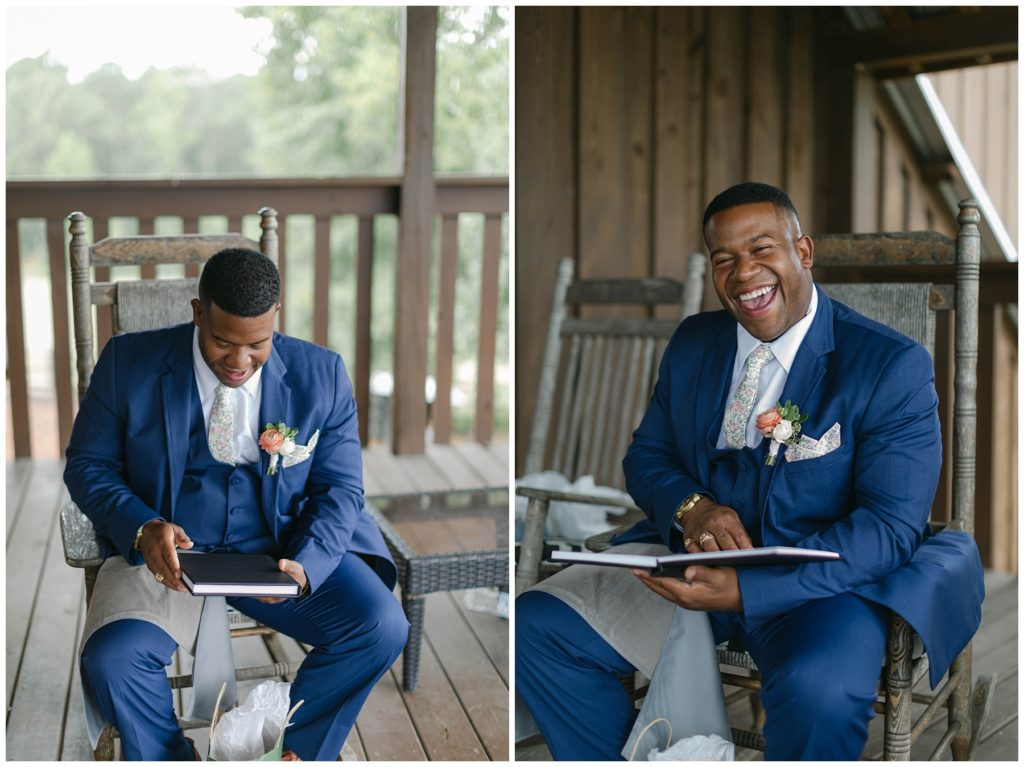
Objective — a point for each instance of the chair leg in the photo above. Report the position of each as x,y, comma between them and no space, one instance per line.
960,707
105,745
532,545
899,664
415,610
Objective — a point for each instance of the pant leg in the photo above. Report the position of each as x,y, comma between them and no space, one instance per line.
124,667
568,677
819,668
357,629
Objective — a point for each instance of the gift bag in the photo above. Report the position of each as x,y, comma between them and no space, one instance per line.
254,731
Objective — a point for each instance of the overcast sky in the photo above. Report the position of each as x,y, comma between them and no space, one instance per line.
213,37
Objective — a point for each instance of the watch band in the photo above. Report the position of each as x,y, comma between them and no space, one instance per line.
686,506
138,537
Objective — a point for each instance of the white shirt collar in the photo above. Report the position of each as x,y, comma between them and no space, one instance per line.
207,382
785,346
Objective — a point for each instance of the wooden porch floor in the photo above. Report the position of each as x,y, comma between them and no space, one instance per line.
995,652
458,712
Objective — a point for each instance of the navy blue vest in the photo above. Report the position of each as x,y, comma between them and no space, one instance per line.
735,479
219,505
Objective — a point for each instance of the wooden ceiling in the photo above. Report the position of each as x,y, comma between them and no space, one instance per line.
900,41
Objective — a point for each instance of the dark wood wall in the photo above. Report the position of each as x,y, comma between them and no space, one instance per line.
628,120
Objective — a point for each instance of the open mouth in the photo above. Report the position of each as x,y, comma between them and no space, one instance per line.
757,300
232,375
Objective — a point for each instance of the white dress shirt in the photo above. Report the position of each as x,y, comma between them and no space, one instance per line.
246,401
774,373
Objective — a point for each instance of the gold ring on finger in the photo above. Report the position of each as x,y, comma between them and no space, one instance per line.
705,537
687,542
159,577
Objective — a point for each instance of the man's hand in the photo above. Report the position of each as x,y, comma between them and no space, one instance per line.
296,571
705,588
720,522
157,546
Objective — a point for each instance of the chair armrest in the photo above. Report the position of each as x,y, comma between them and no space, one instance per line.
81,548
560,495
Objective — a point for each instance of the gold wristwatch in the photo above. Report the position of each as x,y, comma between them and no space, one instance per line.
686,506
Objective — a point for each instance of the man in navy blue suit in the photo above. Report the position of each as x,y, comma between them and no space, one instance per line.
711,472
170,451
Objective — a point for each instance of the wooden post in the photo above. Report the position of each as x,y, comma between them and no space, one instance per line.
364,313
446,329
968,257
484,422
61,341
17,373
412,267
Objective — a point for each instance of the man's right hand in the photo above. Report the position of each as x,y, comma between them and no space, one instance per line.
157,545
721,522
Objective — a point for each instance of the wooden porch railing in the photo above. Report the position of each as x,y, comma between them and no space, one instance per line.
324,199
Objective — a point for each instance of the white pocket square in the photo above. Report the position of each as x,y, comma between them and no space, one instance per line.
301,452
808,447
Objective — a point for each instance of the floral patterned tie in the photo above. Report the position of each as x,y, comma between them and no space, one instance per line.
742,403
222,426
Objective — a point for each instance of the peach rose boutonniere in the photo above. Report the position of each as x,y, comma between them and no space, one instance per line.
276,440
782,424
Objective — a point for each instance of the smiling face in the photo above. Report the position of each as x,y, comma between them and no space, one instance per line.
761,267
233,347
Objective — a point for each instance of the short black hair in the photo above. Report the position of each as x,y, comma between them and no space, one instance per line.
749,193
241,281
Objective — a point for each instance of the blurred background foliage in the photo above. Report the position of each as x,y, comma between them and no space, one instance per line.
324,104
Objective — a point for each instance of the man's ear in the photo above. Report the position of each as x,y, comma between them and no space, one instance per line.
805,249
197,312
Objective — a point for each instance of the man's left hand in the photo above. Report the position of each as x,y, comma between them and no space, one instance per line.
704,588
295,570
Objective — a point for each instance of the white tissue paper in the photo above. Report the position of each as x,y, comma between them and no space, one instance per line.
698,748
251,730
567,520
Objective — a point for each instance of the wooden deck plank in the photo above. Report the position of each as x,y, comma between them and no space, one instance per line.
36,722
500,450
999,738
490,631
424,473
373,484
388,467
76,746
441,723
18,473
484,462
384,725
451,463
26,549
479,687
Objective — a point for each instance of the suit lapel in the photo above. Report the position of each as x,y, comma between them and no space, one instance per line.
275,405
177,384
809,368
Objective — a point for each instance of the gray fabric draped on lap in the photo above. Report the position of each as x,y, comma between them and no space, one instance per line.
672,646
198,625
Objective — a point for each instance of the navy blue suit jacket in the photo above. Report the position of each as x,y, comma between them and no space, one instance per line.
126,458
869,499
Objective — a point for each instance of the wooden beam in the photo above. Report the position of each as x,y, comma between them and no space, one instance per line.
416,205
978,35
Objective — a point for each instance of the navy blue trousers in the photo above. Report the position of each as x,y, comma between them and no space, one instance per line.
355,625
819,668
